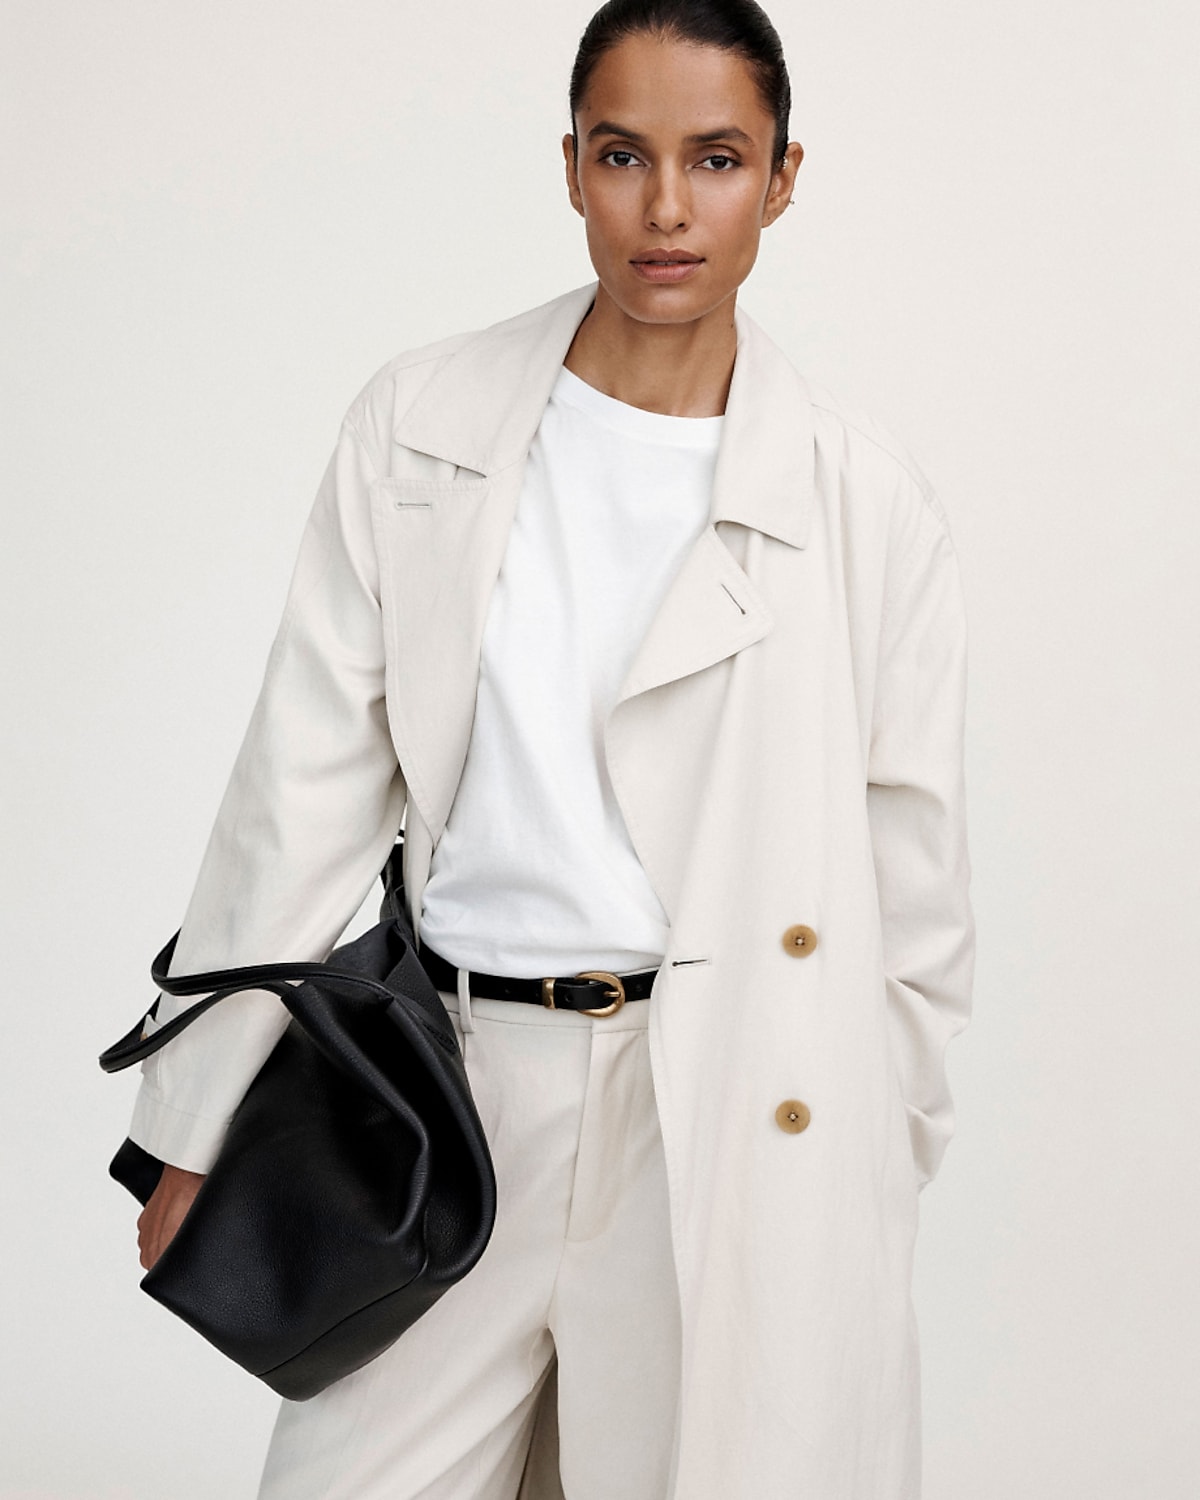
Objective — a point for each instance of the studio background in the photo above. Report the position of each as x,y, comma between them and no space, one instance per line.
220,221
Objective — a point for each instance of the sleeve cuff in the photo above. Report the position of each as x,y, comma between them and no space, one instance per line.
182,1140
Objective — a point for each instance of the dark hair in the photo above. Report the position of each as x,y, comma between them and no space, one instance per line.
738,26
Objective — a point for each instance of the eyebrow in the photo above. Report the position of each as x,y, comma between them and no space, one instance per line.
728,133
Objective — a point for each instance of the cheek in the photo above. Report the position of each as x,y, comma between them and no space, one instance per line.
608,225
736,220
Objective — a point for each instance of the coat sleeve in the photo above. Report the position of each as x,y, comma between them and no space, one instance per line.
916,802
310,812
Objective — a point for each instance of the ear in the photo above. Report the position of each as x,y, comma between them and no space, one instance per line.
779,193
576,197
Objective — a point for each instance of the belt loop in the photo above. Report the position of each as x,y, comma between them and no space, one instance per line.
465,1017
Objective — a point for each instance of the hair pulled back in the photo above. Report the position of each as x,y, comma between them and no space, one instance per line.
739,26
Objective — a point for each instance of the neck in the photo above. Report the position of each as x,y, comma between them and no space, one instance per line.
676,369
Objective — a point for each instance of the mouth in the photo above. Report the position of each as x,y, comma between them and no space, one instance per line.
667,258
666,265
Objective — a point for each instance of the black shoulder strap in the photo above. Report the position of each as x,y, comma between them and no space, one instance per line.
281,979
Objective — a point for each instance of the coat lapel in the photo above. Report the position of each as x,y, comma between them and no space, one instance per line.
441,543
443,519
763,480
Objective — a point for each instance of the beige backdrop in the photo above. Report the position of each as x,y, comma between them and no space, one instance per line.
220,220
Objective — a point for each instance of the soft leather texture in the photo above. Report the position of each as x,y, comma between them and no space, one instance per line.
354,1184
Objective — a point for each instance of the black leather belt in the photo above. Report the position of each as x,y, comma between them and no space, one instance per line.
577,992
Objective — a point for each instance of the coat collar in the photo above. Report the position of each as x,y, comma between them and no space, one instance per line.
482,408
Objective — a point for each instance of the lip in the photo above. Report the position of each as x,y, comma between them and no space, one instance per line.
667,265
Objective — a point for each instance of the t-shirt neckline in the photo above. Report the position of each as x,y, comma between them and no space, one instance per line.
634,421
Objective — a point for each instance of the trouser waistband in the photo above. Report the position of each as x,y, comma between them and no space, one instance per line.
593,992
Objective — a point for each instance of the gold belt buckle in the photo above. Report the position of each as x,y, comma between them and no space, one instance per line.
607,1010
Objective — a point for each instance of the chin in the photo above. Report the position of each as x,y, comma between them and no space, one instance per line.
665,304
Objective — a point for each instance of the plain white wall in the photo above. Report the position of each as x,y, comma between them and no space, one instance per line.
221,219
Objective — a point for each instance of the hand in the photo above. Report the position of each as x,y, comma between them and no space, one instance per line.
164,1211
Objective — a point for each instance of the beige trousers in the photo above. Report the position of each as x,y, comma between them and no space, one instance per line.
574,1299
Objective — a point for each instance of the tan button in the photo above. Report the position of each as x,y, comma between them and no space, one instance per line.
799,940
793,1116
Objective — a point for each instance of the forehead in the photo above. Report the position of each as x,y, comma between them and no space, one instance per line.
656,85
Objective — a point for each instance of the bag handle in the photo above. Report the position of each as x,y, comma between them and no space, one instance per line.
135,1046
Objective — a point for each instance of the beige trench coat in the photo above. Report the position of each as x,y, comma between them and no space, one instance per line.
787,750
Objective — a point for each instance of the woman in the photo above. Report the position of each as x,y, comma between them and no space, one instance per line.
660,656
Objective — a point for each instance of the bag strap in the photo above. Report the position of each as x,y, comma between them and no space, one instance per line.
135,1046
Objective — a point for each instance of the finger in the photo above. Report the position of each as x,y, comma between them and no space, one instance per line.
147,1239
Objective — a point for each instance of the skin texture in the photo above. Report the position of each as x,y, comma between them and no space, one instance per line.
665,348
164,1211
670,347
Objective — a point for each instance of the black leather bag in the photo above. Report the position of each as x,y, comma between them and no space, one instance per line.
354,1184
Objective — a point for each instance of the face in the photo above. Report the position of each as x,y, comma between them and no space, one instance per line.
675,147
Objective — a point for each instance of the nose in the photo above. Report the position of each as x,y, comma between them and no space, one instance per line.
668,206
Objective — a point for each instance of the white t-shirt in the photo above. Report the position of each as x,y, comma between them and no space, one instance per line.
535,873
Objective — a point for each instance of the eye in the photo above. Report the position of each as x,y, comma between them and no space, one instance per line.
725,163
628,157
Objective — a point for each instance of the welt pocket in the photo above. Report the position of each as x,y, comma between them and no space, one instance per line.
404,494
